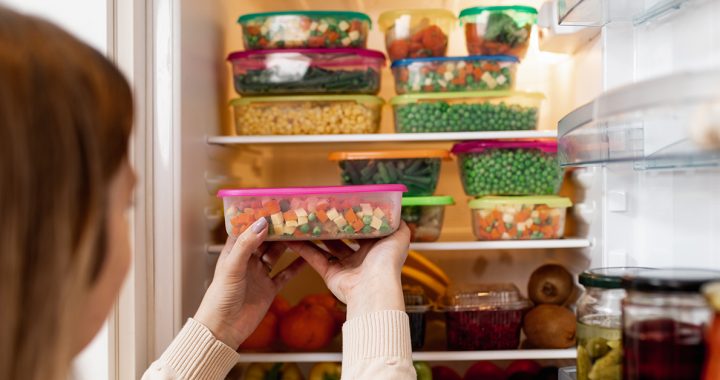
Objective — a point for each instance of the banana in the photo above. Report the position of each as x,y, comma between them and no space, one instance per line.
433,288
421,263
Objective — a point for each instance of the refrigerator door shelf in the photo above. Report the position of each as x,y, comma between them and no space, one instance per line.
601,12
652,123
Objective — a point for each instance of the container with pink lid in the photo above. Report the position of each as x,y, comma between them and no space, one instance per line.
506,167
307,71
316,213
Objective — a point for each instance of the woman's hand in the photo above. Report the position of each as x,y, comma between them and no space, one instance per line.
242,290
367,280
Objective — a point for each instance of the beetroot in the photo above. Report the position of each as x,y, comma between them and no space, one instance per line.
484,329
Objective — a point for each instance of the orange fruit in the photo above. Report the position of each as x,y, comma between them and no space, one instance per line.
307,327
264,335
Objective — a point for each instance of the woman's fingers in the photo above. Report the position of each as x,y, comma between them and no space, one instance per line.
313,255
288,273
248,242
229,243
339,249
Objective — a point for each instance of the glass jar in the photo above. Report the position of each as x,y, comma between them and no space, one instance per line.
416,307
599,323
664,322
712,359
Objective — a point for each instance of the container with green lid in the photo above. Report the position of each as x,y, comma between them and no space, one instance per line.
471,111
519,217
498,29
424,216
599,326
307,114
305,29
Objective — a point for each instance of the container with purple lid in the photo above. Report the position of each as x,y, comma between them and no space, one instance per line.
307,71
509,167
315,213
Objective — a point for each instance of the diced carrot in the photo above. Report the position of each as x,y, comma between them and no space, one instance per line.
235,220
513,232
358,225
526,233
522,216
249,210
260,213
495,235
321,215
556,221
298,233
544,214
497,215
501,227
322,206
548,231
272,207
477,73
482,223
441,69
350,216
469,69
290,215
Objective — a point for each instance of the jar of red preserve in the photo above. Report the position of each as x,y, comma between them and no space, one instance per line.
665,318
712,358
484,317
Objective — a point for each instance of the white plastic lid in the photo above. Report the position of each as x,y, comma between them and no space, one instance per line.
484,297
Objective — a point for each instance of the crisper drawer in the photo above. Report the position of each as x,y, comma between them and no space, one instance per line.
665,122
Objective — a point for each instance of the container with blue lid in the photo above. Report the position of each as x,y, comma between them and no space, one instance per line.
451,74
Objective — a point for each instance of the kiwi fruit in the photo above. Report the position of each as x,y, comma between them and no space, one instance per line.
550,326
550,284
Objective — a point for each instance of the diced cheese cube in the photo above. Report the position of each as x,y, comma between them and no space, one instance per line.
322,27
535,214
505,236
291,223
278,229
277,218
340,222
448,76
313,25
378,213
366,208
289,230
300,212
333,214
263,29
442,82
416,86
461,64
489,80
450,66
521,227
427,82
508,218
232,211
346,41
376,223
354,35
501,79
529,223
343,25
302,220
484,213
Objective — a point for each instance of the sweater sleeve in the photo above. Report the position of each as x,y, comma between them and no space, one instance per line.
194,354
377,346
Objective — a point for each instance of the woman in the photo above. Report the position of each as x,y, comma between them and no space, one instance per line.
65,187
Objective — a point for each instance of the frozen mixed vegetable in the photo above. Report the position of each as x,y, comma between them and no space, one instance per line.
466,112
448,74
424,216
293,71
304,29
419,170
509,167
416,32
519,218
309,115
498,29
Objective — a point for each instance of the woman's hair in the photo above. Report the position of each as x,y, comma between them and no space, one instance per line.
65,122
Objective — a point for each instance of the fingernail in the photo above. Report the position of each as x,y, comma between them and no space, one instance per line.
259,225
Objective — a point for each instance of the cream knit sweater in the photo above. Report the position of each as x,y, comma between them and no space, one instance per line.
375,346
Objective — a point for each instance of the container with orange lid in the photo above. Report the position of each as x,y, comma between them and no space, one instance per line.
419,170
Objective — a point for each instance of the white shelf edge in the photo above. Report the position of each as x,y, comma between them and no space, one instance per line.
569,353
384,137
480,245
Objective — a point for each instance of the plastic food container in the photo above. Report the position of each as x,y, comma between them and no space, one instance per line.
424,216
304,29
416,32
307,71
501,167
466,111
665,319
498,30
419,170
315,213
416,307
307,114
519,218
484,317
452,74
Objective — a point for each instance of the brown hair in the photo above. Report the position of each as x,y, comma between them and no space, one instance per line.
65,121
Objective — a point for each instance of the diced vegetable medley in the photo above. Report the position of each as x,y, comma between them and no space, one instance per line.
318,29
448,75
519,222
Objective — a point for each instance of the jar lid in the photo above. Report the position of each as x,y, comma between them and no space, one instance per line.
670,280
335,14
484,297
436,200
317,190
607,278
497,8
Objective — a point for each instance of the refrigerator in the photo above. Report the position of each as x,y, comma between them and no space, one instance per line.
632,95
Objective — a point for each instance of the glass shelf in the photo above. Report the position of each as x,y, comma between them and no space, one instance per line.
601,12
650,123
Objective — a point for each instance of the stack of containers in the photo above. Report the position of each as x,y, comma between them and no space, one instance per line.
306,72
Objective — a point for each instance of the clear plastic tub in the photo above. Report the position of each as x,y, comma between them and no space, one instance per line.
519,218
498,29
307,114
416,307
419,170
504,167
452,74
304,29
315,213
484,317
424,216
416,32
466,111
307,71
